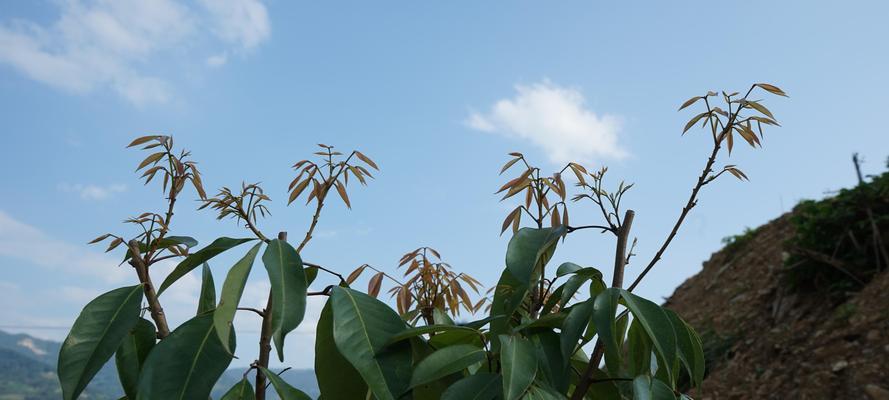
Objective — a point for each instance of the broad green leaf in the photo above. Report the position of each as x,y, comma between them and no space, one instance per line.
553,368
656,323
478,324
647,388
554,320
508,296
230,297
361,327
575,282
288,280
455,337
422,330
542,393
199,257
519,365
572,329
207,298
530,248
481,386
132,353
604,309
691,353
242,390
567,268
186,364
638,350
331,368
95,335
446,361
284,390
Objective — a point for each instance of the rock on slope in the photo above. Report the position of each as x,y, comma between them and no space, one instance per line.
764,342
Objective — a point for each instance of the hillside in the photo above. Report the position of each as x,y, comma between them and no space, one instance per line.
799,307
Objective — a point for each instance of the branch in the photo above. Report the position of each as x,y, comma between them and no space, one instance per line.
154,305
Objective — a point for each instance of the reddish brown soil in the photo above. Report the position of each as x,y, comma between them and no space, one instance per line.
769,343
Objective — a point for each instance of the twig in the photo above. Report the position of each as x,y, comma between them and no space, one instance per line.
154,305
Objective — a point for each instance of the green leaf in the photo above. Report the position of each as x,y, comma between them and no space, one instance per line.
455,337
95,335
331,368
284,390
575,282
199,257
553,368
242,390
481,386
288,280
656,323
646,388
639,350
530,248
519,365
186,364
207,298
573,327
361,326
508,296
446,361
542,393
554,320
691,352
567,268
230,297
440,317
132,353
604,308
422,330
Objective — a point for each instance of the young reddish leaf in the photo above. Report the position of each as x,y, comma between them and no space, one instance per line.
366,160
693,121
151,159
508,164
143,139
508,220
373,287
100,238
772,89
690,102
342,191
355,274
761,108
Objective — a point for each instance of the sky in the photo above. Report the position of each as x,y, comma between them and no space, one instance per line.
437,93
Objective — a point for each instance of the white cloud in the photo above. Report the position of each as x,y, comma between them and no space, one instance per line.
241,22
555,119
217,60
92,192
108,44
22,241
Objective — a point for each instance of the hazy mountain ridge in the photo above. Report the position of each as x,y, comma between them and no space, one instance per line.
28,372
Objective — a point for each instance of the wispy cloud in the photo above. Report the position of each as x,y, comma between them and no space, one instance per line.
105,44
555,119
92,192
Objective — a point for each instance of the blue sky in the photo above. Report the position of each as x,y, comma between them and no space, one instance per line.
437,94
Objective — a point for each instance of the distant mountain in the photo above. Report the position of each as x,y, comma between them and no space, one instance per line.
28,372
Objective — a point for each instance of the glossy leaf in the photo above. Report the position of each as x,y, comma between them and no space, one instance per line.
284,390
690,350
186,364
331,368
422,330
288,281
230,297
242,390
573,327
552,367
481,386
656,323
446,361
207,298
529,248
199,257
604,309
519,365
647,388
96,334
575,282
361,327
508,296
132,353
638,350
